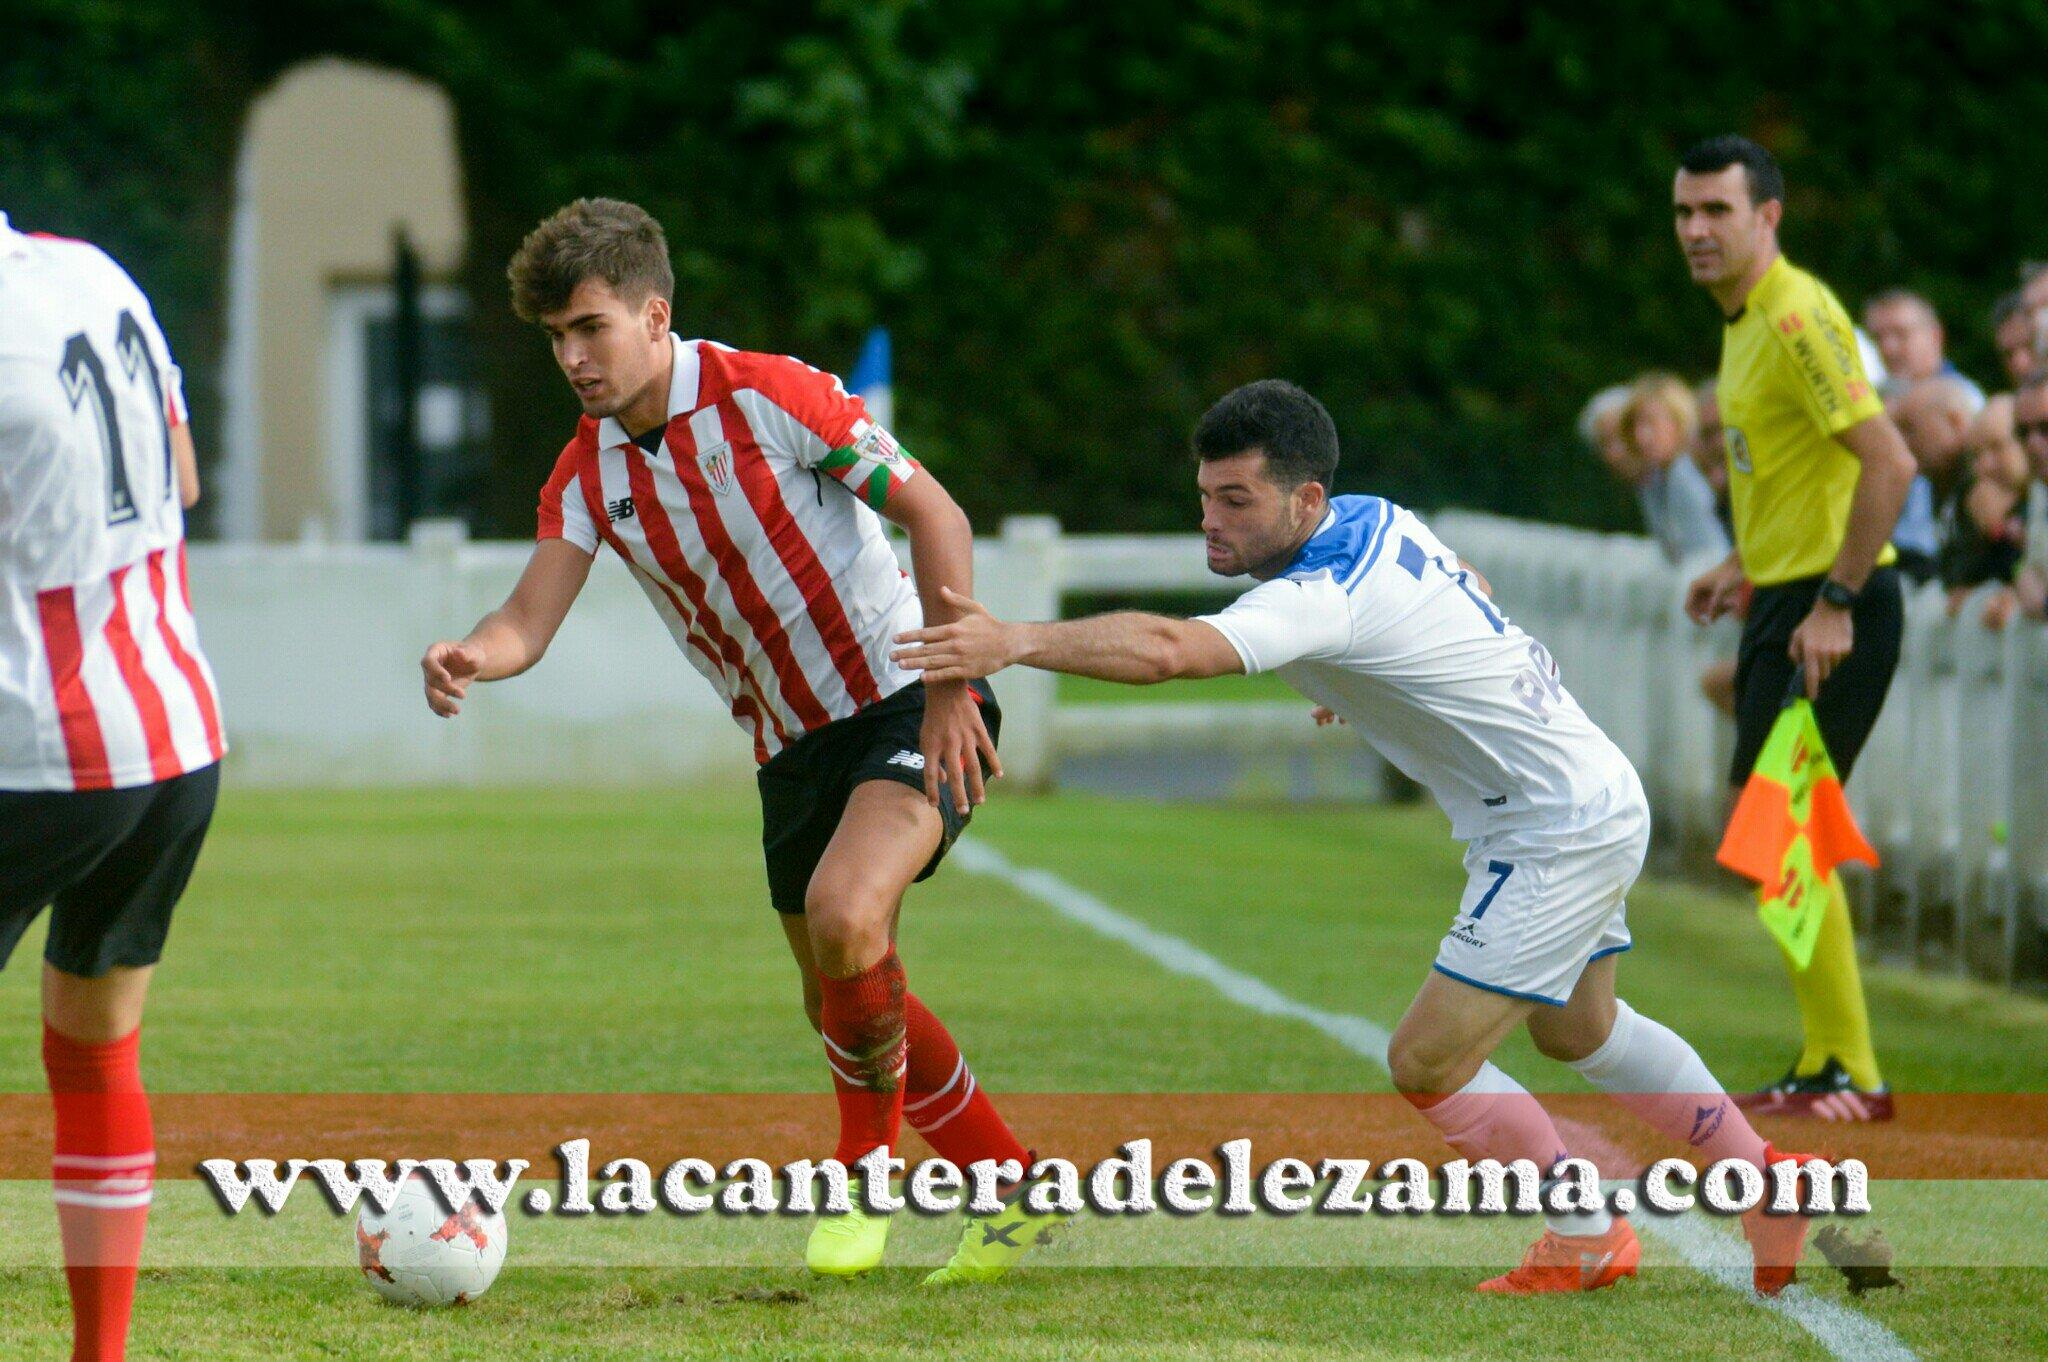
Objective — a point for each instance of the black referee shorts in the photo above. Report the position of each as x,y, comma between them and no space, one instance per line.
1854,692
113,862
805,786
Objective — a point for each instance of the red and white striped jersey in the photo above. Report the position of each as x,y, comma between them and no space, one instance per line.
753,530
102,681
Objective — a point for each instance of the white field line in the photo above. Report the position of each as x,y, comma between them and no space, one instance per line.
1719,1255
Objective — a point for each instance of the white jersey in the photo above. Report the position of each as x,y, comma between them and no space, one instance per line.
1375,619
102,681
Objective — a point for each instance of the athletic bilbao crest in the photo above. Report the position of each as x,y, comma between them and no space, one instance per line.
878,446
715,464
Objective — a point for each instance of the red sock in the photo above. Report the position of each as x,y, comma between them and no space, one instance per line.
862,1019
104,1167
942,1101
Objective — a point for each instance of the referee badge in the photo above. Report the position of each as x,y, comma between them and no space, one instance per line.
1738,449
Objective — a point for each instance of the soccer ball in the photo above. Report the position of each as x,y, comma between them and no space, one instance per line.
416,1253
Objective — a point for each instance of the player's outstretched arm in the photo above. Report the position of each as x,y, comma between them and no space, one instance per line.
515,635
1129,646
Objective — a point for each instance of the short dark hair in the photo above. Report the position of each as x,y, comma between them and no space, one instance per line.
1766,181
607,239
1293,430
2008,306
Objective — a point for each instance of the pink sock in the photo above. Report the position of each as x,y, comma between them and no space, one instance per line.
1494,1117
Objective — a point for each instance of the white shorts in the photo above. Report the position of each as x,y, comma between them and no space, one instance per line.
1543,903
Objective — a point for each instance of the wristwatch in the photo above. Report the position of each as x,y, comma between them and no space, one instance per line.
1837,595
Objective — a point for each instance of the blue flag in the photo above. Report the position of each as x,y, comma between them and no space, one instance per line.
869,379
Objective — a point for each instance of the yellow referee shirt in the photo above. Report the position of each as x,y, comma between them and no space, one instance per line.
1791,381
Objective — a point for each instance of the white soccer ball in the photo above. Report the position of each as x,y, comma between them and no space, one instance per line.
416,1253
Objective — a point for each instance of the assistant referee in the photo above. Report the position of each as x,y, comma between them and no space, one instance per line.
1817,475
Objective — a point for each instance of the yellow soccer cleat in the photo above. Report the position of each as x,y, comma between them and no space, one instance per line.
991,1245
848,1245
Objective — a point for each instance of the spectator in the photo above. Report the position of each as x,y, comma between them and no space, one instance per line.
1996,507
2012,325
1937,417
1909,335
1917,536
2034,300
2034,295
1658,423
1710,447
2030,427
1599,426
1710,455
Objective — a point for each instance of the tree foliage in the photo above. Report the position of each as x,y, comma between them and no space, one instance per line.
1085,221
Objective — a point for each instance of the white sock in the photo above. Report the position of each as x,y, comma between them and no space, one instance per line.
1648,1068
1494,1117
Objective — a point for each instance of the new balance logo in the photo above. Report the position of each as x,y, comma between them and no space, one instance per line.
622,509
914,760
1706,1122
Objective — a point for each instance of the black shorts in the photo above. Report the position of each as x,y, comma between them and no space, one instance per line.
1851,696
805,786
113,862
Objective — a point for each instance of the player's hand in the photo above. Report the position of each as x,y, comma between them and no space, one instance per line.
1714,592
974,645
955,743
1820,643
1999,609
449,668
1324,716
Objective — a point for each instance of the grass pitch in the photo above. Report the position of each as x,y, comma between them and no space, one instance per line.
597,941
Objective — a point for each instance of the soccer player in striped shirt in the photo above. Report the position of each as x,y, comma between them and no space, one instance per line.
110,734
745,493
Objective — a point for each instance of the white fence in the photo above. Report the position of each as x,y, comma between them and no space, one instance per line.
317,649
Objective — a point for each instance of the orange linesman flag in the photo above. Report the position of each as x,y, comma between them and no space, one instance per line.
1790,829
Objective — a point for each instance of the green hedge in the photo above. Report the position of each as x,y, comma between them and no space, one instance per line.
1084,221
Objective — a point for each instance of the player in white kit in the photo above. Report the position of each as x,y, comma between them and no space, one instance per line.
110,733
1368,614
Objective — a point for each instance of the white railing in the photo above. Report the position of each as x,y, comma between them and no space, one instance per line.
317,650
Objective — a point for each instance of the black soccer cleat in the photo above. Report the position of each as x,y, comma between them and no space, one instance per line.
1829,1095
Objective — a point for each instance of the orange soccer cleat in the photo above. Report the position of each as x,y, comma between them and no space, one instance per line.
1775,1241
1572,1262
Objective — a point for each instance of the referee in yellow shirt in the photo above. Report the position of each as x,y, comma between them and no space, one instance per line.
1817,474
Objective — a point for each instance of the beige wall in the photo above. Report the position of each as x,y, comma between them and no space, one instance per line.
335,155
